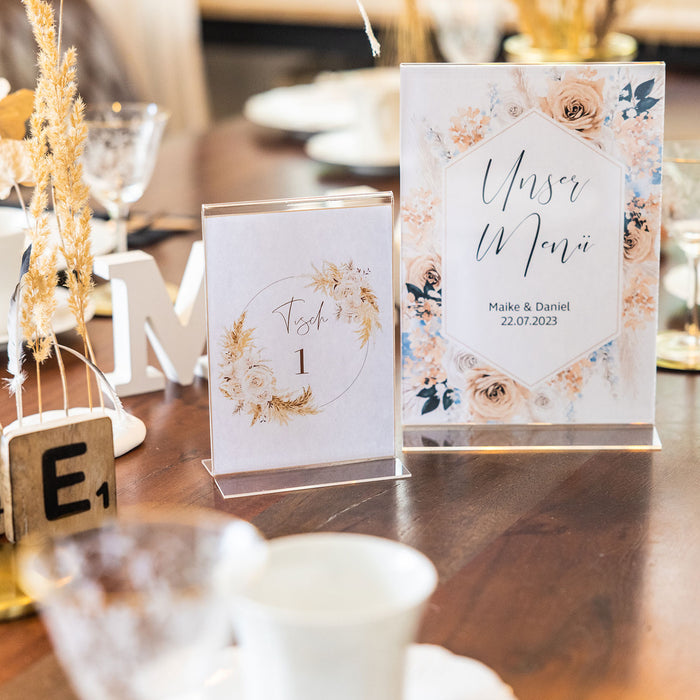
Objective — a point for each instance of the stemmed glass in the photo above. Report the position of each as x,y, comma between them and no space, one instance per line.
120,153
681,212
138,609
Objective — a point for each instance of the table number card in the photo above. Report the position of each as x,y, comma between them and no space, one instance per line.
530,243
301,344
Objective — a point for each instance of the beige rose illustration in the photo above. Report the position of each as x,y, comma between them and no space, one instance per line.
353,277
355,301
258,384
576,103
231,385
492,396
512,105
638,243
249,382
425,269
458,364
348,294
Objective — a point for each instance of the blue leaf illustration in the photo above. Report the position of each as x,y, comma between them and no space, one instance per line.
646,103
643,89
430,405
427,392
416,291
447,399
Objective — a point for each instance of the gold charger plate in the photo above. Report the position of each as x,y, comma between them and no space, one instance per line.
14,602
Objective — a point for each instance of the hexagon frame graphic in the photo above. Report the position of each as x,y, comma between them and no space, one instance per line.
517,268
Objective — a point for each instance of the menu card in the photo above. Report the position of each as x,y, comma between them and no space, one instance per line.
300,332
530,242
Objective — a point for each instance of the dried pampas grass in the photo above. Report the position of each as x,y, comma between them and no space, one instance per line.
56,143
409,39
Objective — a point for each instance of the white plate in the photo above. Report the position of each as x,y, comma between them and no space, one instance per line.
432,673
62,319
102,237
332,102
349,149
302,109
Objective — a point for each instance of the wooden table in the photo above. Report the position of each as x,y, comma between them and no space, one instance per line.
574,576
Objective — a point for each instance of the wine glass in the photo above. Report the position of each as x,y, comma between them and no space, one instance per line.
138,609
468,31
681,212
120,153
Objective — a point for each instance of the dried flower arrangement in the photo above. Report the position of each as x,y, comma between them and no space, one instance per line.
571,25
355,302
51,154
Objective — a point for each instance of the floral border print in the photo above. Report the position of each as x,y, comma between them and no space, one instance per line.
617,108
248,380
355,302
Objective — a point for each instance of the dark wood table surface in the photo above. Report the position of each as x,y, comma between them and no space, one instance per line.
573,575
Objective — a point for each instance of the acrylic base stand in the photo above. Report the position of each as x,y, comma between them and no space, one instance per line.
127,430
530,438
306,477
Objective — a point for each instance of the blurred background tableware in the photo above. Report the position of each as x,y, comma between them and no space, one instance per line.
680,349
13,240
102,232
14,602
305,109
370,144
120,154
468,31
331,616
62,320
11,248
569,30
135,609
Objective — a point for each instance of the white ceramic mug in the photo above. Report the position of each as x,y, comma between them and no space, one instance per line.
331,616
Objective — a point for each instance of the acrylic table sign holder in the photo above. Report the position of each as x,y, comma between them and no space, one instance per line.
300,329
530,256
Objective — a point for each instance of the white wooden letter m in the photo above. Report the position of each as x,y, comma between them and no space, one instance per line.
142,311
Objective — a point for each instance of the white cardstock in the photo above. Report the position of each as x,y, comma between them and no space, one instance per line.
530,242
300,332
547,239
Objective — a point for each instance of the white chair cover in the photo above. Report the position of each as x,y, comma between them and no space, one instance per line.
161,45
